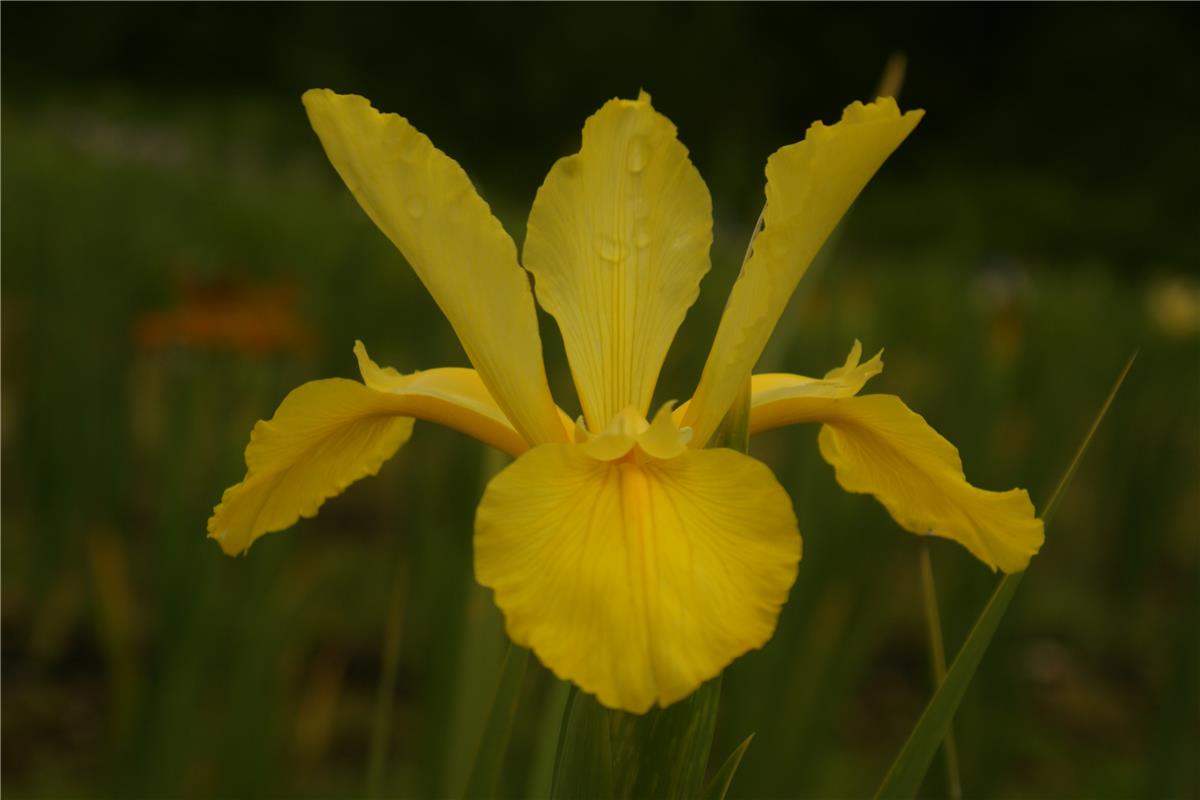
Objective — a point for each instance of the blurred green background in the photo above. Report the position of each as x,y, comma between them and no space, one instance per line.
177,255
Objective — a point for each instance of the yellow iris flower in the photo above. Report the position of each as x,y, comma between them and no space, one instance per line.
632,560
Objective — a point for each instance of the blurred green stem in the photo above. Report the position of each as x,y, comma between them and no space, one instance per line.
484,778
385,701
1052,504
937,652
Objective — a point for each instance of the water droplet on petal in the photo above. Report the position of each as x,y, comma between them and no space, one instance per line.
638,154
608,248
681,241
415,207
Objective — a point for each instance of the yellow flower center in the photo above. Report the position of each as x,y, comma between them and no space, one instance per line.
629,437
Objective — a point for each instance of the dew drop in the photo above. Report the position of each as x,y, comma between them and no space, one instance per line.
415,207
681,242
638,154
642,234
608,248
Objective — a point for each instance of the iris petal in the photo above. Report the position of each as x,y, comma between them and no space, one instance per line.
879,446
637,579
810,185
424,202
450,396
324,436
327,434
618,241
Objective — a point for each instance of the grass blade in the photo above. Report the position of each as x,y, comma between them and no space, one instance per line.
718,787
583,769
547,740
613,754
385,702
1073,467
489,758
937,657
908,770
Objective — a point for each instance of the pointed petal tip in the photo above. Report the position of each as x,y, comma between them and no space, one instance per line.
218,531
882,110
668,408
316,99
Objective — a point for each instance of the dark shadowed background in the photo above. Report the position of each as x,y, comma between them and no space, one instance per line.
177,255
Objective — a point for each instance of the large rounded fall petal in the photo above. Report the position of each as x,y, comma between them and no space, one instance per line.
637,579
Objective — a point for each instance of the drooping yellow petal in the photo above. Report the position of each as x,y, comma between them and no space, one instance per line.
637,579
618,240
324,436
424,202
810,185
878,446
327,434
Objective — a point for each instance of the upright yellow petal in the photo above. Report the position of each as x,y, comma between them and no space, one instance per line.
878,446
424,202
637,579
618,240
810,185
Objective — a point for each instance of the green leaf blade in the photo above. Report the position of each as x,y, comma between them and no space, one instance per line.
908,770
484,778
718,787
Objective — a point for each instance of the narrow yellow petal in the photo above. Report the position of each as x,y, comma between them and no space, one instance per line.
810,185
664,439
772,395
324,436
424,202
878,446
766,388
618,240
450,396
637,579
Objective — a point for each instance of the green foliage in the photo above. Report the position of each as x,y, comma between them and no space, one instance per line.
662,753
484,778
718,785
908,770
905,776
